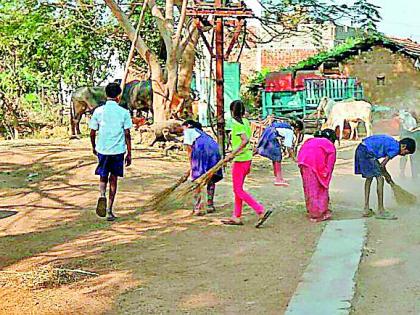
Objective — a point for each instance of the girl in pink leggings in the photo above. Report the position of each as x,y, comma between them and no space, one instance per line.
241,133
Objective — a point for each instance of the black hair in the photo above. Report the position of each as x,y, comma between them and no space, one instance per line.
326,133
112,90
192,124
238,110
410,144
297,124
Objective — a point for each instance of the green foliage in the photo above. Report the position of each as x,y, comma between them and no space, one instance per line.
338,51
314,61
48,48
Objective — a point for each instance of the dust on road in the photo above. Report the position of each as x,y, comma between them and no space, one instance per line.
153,262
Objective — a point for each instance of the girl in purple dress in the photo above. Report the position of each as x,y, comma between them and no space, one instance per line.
203,153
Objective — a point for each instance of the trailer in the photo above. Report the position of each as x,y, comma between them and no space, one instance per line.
298,94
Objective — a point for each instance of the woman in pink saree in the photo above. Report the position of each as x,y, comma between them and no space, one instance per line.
316,161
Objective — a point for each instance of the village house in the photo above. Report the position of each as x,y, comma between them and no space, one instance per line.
387,68
278,54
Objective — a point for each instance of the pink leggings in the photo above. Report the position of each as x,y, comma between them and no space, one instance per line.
239,172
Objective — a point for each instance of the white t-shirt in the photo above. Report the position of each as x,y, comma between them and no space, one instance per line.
288,136
110,120
190,135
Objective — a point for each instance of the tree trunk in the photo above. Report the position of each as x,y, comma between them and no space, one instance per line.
187,67
160,112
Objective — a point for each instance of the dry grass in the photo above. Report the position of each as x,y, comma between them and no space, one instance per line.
42,277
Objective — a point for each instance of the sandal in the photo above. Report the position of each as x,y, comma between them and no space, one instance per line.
211,209
198,213
325,217
101,207
368,213
231,221
281,184
263,219
386,215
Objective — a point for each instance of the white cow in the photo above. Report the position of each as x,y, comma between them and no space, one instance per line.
351,111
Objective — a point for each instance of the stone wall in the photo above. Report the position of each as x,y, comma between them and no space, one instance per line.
401,88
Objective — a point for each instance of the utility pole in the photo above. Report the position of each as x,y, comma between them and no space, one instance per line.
202,11
220,106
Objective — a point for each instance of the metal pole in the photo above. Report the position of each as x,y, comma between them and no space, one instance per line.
219,85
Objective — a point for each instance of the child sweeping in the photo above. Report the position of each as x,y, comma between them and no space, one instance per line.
316,161
241,133
203,153
269,146
366,163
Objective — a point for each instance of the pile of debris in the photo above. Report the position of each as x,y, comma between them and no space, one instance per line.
42,277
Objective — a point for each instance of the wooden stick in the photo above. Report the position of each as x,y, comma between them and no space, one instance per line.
133,46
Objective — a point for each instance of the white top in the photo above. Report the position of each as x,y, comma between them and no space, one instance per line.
190,135
111,121
288,136
409,123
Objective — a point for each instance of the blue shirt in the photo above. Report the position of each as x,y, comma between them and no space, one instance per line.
382,146
284,125
111,121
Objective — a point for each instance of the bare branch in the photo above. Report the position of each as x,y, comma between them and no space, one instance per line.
141,46
165,26
180,24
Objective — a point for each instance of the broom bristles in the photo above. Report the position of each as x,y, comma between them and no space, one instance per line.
158,197
402,196
184,189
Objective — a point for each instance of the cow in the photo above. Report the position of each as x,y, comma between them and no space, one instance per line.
137,96
351,111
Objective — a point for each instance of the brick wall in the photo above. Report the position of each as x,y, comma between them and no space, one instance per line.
277,59
271,59
402,79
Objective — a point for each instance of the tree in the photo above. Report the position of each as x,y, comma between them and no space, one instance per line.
171,80
49,47
180,36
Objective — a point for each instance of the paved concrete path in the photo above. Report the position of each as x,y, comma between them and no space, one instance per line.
327,286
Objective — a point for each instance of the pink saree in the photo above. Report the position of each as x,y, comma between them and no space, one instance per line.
316,161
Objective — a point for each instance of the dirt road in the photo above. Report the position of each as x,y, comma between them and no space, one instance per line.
149,263
389,277
168,262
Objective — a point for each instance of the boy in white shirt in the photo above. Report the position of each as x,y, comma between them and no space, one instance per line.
111,141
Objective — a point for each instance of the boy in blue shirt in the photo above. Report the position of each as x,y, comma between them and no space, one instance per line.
367,164
112,123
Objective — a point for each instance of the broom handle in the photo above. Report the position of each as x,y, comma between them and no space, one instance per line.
220,164
387,176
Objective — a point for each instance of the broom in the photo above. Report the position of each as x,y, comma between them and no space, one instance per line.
160,196
179,190
402,196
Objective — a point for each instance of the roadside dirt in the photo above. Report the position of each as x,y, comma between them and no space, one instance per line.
389,280
153,262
